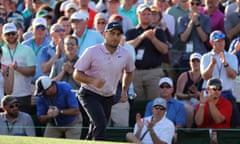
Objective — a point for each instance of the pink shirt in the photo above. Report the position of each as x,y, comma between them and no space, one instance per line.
98,62
217,19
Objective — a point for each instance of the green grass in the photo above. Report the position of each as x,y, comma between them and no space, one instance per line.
42,140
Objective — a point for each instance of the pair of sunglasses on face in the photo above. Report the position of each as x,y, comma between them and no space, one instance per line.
216,88
158,107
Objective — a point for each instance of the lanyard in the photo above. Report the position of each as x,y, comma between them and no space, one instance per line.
12,53
35,51
10,127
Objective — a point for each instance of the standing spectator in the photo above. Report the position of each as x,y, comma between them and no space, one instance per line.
100,21
232,23
6,78
23,61
86,37
57,106
55,50
189,85
112,9
153,129
222,65
13,121
167,19
83,6
70,8
38,42
99,70
193,30
127,9
150,44
63,68
64,21
212,10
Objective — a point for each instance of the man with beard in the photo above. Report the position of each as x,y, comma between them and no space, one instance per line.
23,61
99,70
14,122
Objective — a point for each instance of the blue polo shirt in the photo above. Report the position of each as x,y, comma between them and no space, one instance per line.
176,112
64,99
37,50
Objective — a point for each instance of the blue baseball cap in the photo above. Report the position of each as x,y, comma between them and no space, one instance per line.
217,35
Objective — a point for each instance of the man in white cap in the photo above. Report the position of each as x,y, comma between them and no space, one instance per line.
86,37
38,42
57,106
176,110
23,61
13,121
153,129
69,9
150,44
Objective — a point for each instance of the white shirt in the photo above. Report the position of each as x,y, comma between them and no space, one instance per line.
169,21
219,70
164,129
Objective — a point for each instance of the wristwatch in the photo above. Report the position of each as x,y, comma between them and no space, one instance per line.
226,65
197,25
61,112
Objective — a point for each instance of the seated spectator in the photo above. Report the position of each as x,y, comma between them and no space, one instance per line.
213,111
57,106
176,111
189,85
13,121
153,129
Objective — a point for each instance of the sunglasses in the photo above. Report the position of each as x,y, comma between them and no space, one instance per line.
195,60
219,36
102,23
14,105
40,27
59,30
70,44
216,88
10,34
197,4
159,107
165,86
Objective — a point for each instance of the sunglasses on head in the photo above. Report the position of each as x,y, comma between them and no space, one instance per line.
218,36
59,30
10,34
158,107
40,27
165,86
215,88
14,105
197,3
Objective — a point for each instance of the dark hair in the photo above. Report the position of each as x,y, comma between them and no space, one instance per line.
71,37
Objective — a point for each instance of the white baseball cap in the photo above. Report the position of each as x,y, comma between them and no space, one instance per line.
42,84
160,102
39,21
166,80
195,56
9,27
80,15
71,5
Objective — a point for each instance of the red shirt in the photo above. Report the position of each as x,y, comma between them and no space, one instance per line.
92,14
225,108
